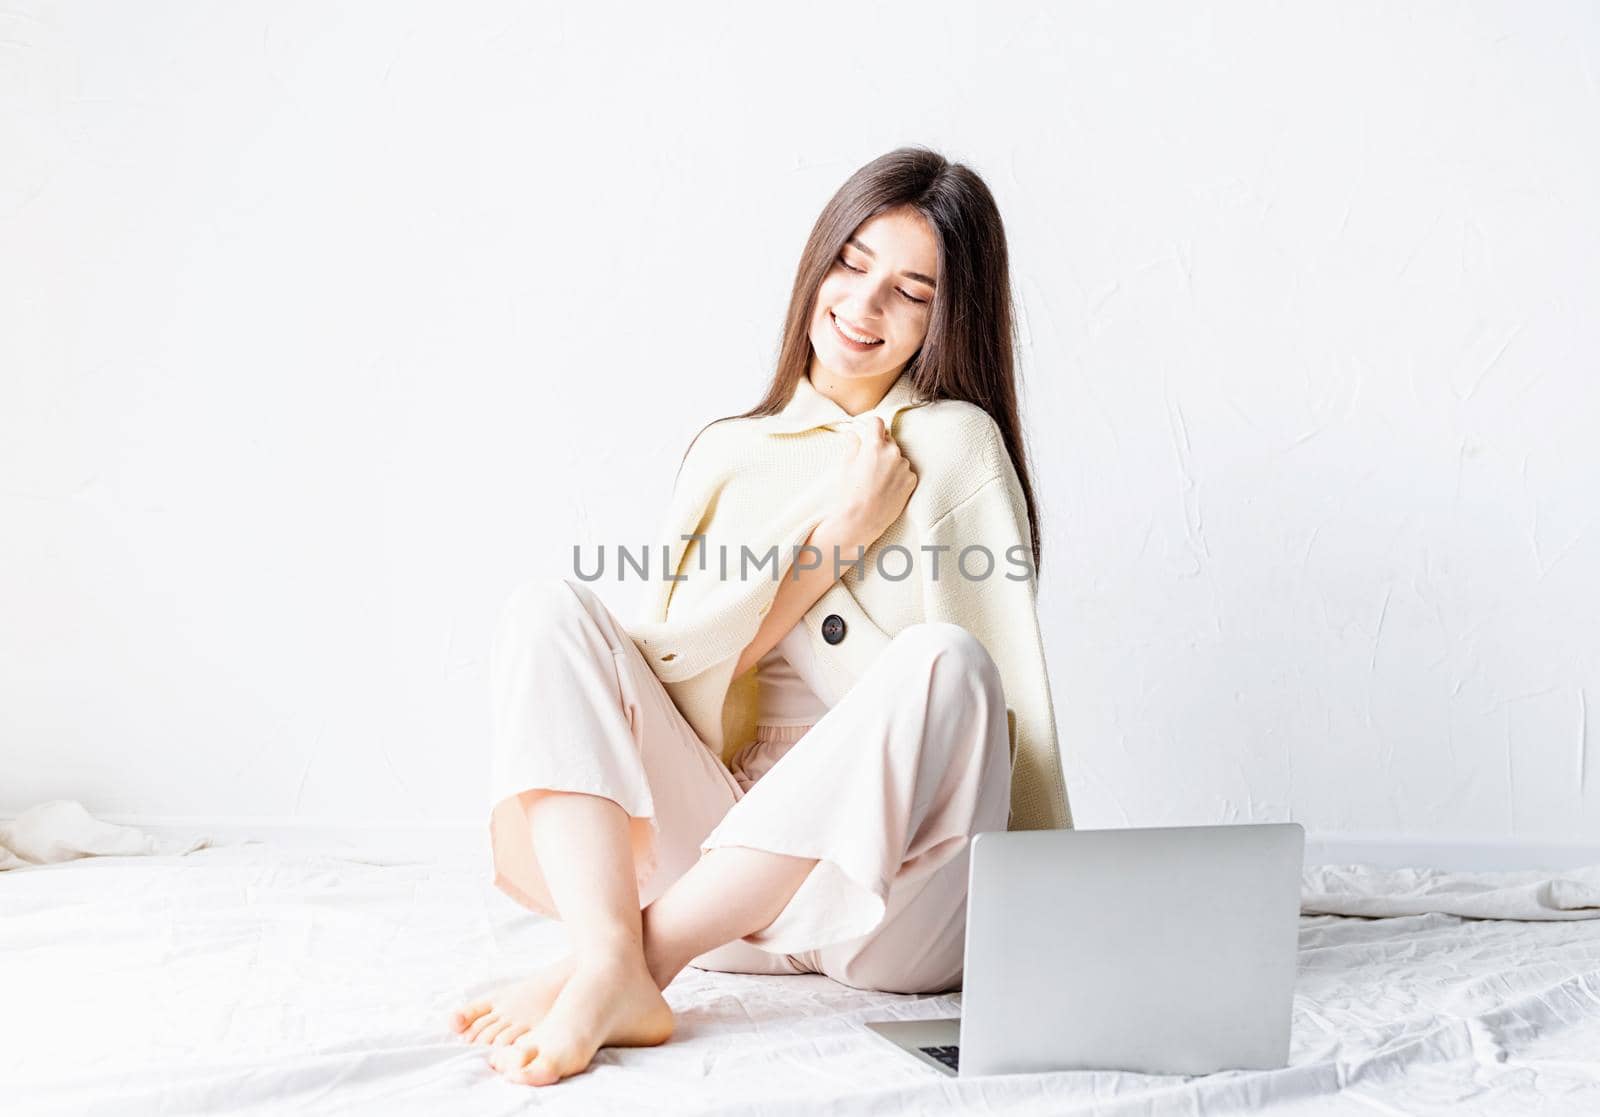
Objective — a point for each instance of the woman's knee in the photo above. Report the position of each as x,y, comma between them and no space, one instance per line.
960,680
928,643
544,601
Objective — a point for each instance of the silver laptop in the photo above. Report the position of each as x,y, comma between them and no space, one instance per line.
1166,950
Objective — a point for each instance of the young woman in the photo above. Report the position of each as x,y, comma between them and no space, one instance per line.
782,775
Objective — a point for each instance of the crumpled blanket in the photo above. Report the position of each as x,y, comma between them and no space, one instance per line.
259,981
1522,894
63,830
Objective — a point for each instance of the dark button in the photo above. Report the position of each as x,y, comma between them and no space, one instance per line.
833,628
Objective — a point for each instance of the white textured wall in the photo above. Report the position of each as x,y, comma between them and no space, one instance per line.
322,325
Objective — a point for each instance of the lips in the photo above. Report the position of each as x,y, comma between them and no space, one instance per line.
861,344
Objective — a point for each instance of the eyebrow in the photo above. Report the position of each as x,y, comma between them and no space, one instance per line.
856,243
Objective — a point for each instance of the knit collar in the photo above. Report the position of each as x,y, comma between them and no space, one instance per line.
808,408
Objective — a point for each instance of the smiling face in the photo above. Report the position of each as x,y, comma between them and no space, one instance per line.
874,304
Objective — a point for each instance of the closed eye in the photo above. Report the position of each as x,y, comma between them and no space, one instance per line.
858,271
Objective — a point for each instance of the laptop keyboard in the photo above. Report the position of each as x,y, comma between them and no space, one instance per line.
949,1055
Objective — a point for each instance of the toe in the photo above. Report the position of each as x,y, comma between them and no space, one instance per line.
540,1071
491,1033
511,1057
467,1014
480,1024
553,1063
510,1035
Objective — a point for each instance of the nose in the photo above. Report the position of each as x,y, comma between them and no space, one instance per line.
862,313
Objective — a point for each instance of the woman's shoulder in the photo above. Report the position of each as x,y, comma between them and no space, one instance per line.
957,417
719,444
962,434
946,433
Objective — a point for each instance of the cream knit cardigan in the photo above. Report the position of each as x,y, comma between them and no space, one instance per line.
765,482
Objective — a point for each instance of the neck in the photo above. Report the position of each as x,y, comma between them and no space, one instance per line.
856,394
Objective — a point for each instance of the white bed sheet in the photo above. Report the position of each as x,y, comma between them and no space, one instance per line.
266,979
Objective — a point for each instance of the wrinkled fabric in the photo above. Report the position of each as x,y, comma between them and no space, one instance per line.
790,686
1517,894
268,980
788,705
885,791
771,743
64,830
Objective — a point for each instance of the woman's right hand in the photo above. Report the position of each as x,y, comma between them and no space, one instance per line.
874,483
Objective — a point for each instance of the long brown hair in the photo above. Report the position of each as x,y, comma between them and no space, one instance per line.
969,352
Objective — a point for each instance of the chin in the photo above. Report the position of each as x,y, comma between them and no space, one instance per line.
841,365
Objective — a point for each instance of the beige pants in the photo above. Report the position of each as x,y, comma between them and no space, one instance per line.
885,790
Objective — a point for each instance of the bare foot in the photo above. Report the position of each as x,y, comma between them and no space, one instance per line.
609,1000
509,1011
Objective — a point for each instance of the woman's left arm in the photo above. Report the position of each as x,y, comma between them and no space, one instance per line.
993,595
799,589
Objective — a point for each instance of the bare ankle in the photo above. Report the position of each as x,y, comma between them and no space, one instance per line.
609,950
663,970
658,958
